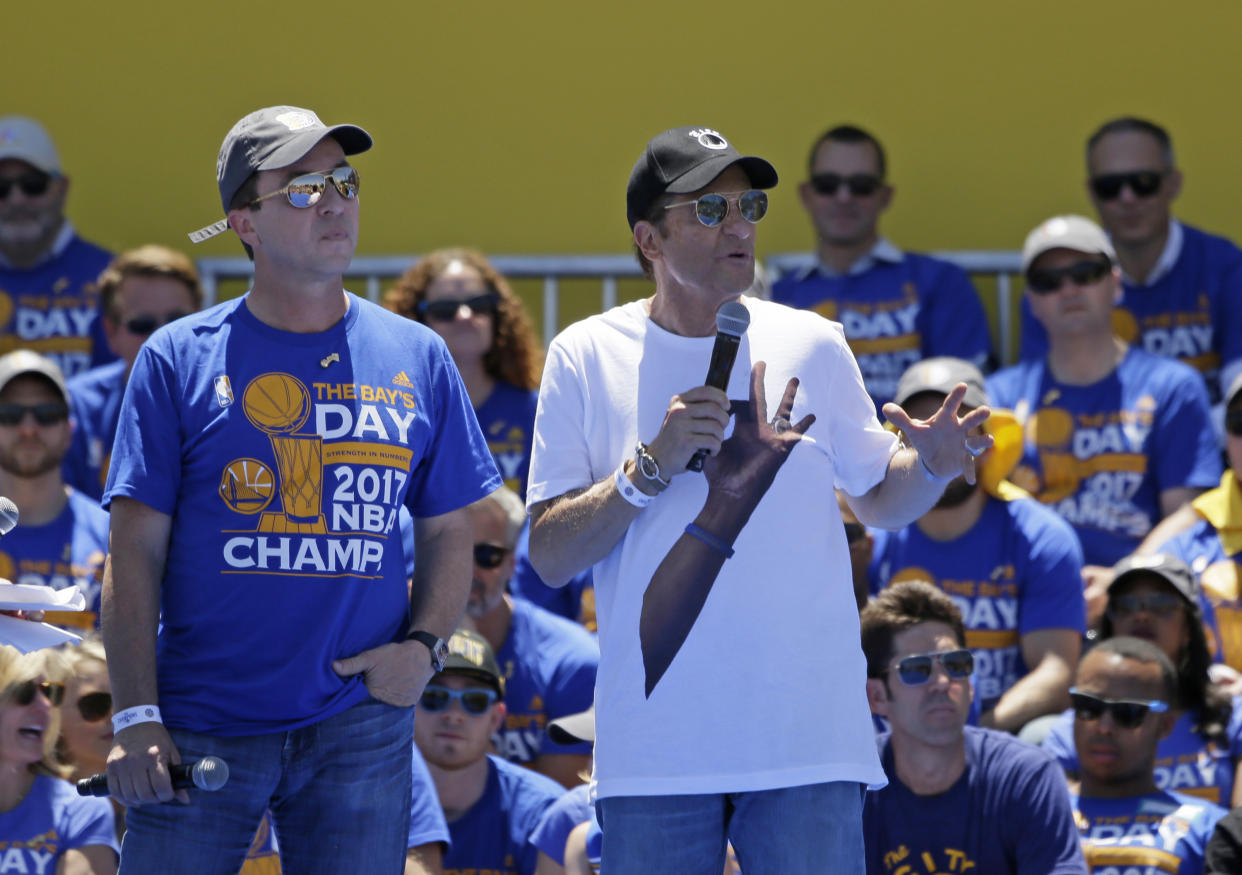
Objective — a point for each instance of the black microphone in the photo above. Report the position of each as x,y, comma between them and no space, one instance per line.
8,515
209,773
732,320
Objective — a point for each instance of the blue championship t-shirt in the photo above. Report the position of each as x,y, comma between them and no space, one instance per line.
574,807
494,836
1018,570
52,819
549,665
573,601
95,406
1101,455
1145,835
507,418
896,313
1009,812
1220,595
282,459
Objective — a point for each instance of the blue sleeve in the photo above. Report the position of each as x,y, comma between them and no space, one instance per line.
559,821
572,689
1047,840
1227,320
87,822
1052,596
879,567
1034,340
427,822
146,455
1184,442
1059,743
1192,848
954,322
526,583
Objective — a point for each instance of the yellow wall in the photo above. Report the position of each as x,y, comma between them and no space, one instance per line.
513,126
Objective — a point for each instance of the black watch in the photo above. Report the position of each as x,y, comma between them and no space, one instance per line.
439,650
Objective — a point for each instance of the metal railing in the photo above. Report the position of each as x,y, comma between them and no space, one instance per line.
608,269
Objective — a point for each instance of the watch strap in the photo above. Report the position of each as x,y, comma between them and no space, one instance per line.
435,644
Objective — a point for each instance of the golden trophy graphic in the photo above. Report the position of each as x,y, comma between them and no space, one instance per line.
279,404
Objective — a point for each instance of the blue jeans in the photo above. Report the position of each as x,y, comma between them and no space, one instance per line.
814,829
339,792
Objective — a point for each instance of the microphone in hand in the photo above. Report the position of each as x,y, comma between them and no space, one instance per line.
209,773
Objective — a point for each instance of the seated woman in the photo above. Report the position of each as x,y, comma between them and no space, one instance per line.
85,717
45,826
1156,597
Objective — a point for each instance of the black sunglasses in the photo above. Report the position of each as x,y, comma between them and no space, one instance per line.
95,706
1081,273
1144,183
1233,422
859,184
1161,604
145,324
1127,713
24,693
473,701
445,309
49,413
489,555
31,184
916,670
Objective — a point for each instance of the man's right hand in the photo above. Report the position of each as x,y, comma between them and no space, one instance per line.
138,766
696,420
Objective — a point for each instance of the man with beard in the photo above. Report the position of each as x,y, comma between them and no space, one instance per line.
47,272
1011,565
62,538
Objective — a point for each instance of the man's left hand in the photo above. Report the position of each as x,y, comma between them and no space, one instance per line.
944,441
394,673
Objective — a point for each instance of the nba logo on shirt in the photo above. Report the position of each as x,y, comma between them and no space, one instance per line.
224,391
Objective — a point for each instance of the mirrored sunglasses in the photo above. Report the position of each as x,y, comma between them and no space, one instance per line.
713,209
1233,422
489,555
95,706
31,184
24,693
1144,183
144,325
1127,713
1080,273
306,190
473,701
446,309
50,413
917,669
858,184
1160,604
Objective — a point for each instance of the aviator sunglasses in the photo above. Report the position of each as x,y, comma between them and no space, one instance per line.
1081,273
1127,713
859,184
1144,183
305,191
489,555
24,693
445,309
916,670
49,413
95,706
31,184
473,701
713,209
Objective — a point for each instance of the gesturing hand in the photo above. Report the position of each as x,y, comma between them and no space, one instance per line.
944,440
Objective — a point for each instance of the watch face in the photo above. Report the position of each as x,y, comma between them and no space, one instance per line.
439,653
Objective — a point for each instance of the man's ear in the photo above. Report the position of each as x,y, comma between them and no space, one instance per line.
647,238
498,716
242,223
877,696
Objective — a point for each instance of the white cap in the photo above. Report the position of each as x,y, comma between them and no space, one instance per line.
26,139
1066,232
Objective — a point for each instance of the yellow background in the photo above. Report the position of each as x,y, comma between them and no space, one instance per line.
513,127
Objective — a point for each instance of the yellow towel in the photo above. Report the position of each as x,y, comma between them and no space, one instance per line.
1222,507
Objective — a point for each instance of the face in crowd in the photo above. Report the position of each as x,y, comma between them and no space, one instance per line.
457,715
493,558
1132,182
925,693
32,206
846,193
1073,293
34,426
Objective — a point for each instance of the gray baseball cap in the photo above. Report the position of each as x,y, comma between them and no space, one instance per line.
1066,232
26,140
940,374
268,139
24,361
1165,566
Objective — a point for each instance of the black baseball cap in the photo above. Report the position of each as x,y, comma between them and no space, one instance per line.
470,654
683,160
941,375
1170,569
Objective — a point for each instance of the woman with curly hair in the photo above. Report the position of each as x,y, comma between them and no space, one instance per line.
1156,597
464,299
45,826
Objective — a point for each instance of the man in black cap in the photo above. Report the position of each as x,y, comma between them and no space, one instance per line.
724,598
266,446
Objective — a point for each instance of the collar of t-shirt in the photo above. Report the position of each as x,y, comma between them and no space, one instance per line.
882,252
62,241
1168,257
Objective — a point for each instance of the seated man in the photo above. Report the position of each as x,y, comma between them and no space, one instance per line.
959,798
1124,698
492,806
1012,566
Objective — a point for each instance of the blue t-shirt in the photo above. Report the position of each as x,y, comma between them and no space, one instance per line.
549,665
574,807
282,459
1193,313
1185,761
507,418
95,406
427,822
68,551
1146,835
1219,596
494,836
1018,570
53,308
1008,812
896,313
1101,455
52,819
573,601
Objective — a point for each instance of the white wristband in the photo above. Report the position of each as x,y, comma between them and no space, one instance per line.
629,491
134,716
927,472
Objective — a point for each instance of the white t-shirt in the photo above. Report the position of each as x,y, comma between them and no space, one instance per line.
768,689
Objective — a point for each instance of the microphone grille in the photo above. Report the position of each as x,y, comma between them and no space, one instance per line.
210,773
8,515
732,318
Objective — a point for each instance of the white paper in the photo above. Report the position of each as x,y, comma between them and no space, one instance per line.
25,597
26,635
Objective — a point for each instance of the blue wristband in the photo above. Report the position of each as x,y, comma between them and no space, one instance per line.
710,540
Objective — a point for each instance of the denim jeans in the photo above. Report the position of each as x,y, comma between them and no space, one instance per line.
339,792
810,830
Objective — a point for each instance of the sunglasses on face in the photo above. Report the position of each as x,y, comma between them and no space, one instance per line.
473,701
306,190
31,184
713,209
1160,604
916,670
1144,183
446,309
51,413
24,693
1127,713
1233,422
489,555
1082,273
145,324
95,706
859,184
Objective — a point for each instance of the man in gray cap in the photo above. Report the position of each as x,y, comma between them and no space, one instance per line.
728,588
1011,565
47,297
265,448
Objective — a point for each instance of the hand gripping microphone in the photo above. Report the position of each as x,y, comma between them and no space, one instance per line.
209,773
732,320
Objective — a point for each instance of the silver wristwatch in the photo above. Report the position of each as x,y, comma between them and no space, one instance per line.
647,465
